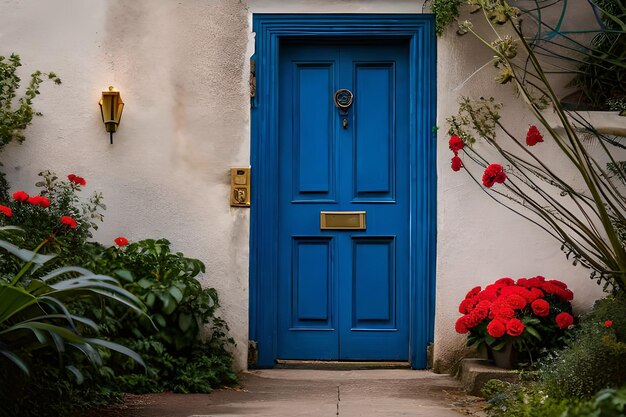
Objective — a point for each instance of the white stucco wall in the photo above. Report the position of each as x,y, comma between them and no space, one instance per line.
182,68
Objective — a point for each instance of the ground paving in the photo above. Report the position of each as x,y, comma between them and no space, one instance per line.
315,393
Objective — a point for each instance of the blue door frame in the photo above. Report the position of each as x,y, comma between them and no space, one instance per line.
419,31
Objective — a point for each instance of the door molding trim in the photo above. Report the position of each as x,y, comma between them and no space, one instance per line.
269,29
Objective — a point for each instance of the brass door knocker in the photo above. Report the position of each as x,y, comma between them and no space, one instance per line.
343,101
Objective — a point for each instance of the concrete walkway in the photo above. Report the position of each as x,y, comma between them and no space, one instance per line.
315,393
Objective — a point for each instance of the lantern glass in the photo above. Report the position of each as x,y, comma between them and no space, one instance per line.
111,107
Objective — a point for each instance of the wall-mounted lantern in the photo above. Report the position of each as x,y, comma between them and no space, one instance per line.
111,106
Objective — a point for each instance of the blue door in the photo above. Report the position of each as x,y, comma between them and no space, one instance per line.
343,294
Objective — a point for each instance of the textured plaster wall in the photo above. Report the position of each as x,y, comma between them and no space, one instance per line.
182,71
182,68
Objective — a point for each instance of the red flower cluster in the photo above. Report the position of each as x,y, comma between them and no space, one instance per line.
608,323
20,196
38,200
503,304
456,144
493,173
533,136
120,241
35,200
6,211
77,180
67,220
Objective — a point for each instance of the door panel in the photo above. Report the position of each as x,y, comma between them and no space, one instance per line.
343,294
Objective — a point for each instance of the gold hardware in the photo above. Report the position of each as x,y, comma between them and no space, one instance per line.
252,78
240,187
111,106
344,123
347,220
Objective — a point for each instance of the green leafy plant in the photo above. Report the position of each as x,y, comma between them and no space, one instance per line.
596,359
178,307
13,120
446,11
34,315
525,399
607,403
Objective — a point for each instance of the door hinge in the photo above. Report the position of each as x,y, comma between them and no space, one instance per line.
252,78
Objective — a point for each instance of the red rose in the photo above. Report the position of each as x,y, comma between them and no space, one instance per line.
474,318
34,200
515,327
77,180
456,144
566,295
466,306
20,196
523,282
564,320
460,325
558,283
6,211
535,293
540,308
536,281
471,293
496,328
457,164
493,173
533,136
121,241
67,220
506,281
504,314
44,202
516,302
608,323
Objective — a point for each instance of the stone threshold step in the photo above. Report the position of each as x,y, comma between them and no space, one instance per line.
474,373
339,365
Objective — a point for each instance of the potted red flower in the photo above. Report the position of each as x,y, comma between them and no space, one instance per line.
527,316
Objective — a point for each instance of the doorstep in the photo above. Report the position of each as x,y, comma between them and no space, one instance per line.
475,373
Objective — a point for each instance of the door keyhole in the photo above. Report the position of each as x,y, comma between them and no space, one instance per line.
344,123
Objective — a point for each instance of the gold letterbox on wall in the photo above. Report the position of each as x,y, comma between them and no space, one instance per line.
240,187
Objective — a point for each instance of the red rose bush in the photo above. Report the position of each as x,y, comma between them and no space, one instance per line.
531,313
54,213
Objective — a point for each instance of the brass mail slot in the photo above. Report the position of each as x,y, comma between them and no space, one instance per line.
353,220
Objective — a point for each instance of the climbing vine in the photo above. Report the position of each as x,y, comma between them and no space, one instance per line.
17,113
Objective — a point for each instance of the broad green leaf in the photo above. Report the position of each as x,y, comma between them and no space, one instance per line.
117,348
16,360
176,293
124,274
77,374
184,321
160,320
533,332
13,300
25,254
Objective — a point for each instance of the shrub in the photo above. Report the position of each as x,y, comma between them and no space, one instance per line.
520,400
178,307
597,357
56,216
606,403
46,351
